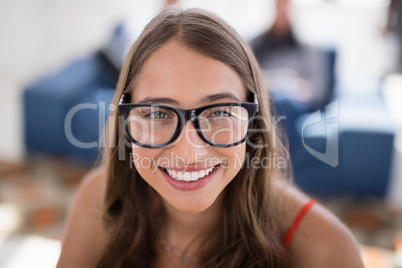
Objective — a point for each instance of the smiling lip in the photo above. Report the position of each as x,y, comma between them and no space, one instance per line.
189,185
188,169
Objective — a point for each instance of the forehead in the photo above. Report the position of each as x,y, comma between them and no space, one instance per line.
177,72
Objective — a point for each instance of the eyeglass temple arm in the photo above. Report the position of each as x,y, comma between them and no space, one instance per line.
256,101
121,99
124,98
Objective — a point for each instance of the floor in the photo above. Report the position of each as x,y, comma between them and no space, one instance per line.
34,200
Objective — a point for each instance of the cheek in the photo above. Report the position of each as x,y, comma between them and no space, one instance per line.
143,159
234,156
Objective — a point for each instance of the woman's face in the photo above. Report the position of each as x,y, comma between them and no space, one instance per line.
176,75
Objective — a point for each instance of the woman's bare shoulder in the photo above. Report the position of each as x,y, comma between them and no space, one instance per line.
321,239
84,233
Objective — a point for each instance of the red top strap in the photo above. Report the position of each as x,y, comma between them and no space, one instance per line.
287,238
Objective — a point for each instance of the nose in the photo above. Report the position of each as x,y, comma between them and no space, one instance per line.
189,145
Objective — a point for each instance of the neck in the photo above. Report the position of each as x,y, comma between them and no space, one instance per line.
182,228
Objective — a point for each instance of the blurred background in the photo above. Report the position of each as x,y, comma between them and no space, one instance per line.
332,67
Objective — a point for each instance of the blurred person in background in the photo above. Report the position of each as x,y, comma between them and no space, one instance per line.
394,26
168,199
297,75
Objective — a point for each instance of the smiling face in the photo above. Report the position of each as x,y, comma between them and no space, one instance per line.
178,76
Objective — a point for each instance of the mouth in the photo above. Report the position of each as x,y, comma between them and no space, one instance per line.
188,176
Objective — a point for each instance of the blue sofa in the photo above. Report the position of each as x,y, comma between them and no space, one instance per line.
363,134
85,86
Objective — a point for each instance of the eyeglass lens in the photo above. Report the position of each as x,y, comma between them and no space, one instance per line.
153,125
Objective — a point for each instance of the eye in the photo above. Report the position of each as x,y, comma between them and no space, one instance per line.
158,115
154,113
219,113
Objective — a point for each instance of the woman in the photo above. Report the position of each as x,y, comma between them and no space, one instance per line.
194,174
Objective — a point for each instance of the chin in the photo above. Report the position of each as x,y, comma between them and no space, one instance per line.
191,205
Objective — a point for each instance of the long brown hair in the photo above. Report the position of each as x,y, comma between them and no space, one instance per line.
248,235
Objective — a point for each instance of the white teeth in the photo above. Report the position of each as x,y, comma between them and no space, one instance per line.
188,176
180,176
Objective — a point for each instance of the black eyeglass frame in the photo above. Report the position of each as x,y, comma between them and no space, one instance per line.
185,115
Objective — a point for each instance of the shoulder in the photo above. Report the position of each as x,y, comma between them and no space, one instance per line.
84,232
321,239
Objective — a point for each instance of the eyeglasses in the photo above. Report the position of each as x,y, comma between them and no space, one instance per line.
156,126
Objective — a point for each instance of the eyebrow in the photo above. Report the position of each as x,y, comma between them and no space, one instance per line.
159,100
219,96
210,98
